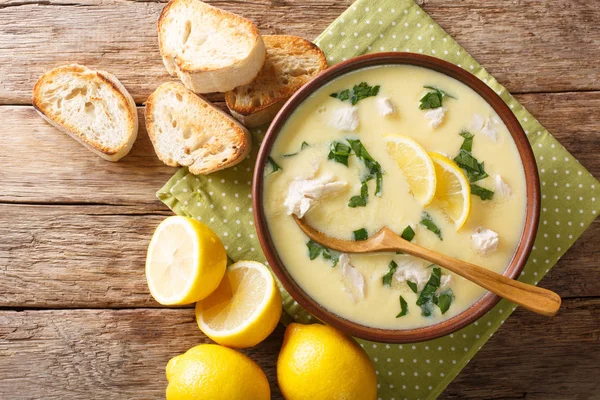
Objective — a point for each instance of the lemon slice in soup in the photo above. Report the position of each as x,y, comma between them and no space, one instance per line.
415,164
453,191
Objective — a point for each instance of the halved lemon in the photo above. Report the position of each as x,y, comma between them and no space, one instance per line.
415,164
185,262
453,191
244,309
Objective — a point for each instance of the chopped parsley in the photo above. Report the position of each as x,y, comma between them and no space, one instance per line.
360,201
408,233
474,170
374,169
468,142
443,300
433,99
386,280
430,287
315,249
357,93
302,147
428,223
412,286
484,193
426,297
426,310
339,152
403,308
274,166
360,234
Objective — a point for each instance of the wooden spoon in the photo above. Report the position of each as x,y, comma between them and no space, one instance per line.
538,300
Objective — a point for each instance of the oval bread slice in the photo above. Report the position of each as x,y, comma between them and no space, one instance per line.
187,130
91,106
209,49
291,62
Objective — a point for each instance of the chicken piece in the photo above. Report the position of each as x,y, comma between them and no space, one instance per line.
435,116
484,241
354,281
386,108
303,194
344,118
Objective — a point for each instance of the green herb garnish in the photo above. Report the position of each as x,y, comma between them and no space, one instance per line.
474,170
433,99
274,166
426,310
360,234
428,223
373,167
468,142
357,93
386,280
412,286
302,147
443,300
360,201
430,287
339,152
403,308
408,233
484,193
315,249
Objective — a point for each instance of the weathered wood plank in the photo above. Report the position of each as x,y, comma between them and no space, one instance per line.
100,354
41,164
93,257
75,256
122,353
535,358
531,46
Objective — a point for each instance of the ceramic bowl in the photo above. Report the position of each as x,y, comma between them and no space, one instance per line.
485,303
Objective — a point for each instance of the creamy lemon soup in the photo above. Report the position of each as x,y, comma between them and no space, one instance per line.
407,148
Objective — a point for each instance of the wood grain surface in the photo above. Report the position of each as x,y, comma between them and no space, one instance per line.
529,46
121,354
76,318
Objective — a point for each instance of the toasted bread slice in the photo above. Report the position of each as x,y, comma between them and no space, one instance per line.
291,62
91,106
209,49
187,130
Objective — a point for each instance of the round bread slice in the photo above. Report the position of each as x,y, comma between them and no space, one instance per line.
209,49
291,62
92,107
187,130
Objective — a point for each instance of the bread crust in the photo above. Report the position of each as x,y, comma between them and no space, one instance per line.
258,102
204,111
211,78
102,77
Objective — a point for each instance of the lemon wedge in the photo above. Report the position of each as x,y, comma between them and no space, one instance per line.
453,191
185,262
415,164
244,309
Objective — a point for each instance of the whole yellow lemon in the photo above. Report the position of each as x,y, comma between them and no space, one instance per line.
210,371
318,362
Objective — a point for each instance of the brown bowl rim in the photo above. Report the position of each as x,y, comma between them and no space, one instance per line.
488,300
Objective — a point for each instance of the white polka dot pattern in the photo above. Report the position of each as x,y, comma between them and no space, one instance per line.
222,200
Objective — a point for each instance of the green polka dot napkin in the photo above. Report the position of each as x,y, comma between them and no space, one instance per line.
570,197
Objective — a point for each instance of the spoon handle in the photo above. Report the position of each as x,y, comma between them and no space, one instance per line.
533,298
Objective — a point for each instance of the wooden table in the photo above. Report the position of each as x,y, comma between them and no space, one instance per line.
76,319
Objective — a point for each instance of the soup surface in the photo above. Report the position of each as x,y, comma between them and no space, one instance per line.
308,176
